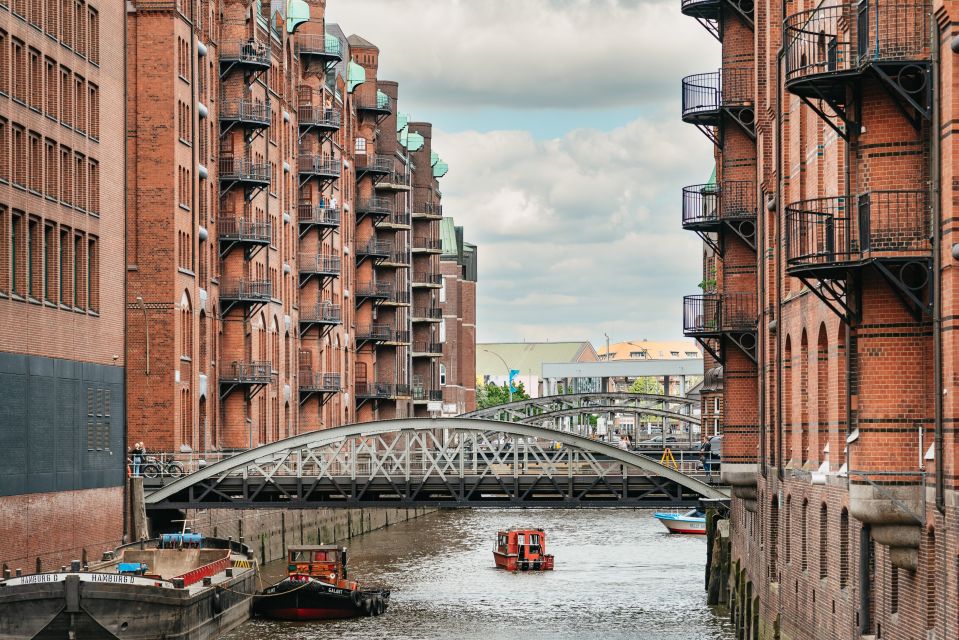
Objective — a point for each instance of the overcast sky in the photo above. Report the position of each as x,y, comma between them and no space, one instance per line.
560,122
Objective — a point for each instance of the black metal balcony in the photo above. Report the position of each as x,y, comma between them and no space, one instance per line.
428,211
248,375
427,280
395,181
323,314
317,266
422,394
373,333
318,48
244,292
246,113
375,165
240,232
380,104
426,349
710,13
711,317
247,55
310,116
242,172
709,97
375,291
396,259
397,298
396,220
381,390
712,208
311,215
828,237
426,314
829,49
427,245
376,208
320,166
373,249
312,382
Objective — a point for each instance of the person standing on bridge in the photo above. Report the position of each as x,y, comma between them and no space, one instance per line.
137,453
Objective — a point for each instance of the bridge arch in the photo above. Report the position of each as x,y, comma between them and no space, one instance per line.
433,462
620,401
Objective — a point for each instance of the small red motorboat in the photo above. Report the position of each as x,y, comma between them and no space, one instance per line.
522,550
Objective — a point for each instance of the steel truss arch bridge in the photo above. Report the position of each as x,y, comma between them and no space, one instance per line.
451,462
539,410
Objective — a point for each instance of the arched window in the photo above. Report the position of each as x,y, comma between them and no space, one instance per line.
843,549
787,409
822,393
186,326
930,566
804,535
204,349
789,537
823,541
804,399
774,539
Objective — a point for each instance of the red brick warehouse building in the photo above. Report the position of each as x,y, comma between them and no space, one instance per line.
62,171
830,226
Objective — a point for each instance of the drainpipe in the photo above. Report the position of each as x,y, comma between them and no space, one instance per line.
934,188
780,247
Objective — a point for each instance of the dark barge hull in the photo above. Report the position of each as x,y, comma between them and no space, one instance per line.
315,600
104,611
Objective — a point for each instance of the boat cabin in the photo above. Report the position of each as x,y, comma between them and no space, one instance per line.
523,550
325,562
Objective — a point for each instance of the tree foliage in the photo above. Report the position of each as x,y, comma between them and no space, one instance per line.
647,384
491,395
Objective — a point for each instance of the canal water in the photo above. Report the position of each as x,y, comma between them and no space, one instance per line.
618,575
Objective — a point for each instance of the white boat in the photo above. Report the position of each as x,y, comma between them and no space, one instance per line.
693,522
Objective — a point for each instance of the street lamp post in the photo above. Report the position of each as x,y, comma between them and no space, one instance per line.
509,386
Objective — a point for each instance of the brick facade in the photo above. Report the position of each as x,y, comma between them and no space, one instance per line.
457,299
844,494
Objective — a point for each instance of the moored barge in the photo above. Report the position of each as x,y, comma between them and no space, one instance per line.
177,587
317,588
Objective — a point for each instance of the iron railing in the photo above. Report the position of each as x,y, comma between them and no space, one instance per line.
256,372
374,248
381,390
234,229
434,209
420,392
842,37
708,93
421,278
322,312
245,111
378,102
713,203
374,332
382,290
239,169
716,313
850,229
427,244
315,382
399,297
319,264
375,206
317,45
319,165
309,213
242,289
428,347
433,313
398,257
310,115
374,163
247,52
397,219
396,177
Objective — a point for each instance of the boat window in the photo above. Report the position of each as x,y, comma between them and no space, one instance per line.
323,556
299,556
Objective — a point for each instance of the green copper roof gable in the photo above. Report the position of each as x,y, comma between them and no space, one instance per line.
712,178
297,12
440,169
448,237
382,100
402,120
414,141
355,76
434,157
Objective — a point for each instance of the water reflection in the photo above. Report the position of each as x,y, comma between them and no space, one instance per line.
618,575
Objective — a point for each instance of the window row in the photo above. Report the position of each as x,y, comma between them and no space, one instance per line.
73,22
41,260
184,121
47,87
30,161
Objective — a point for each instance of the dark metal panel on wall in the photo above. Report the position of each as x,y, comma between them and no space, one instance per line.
61,425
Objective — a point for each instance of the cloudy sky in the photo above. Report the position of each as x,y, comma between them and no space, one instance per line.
560,122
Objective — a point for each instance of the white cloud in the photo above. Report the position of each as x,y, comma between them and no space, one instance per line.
530,53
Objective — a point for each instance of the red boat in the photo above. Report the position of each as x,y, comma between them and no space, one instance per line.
522,550
317,588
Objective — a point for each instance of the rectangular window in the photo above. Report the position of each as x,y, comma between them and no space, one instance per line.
93,28
19,72
66,13
66,97
53,95
36,80
16,253
361,145
53,18
93,104
443,331
36,13
4,63
66,175
79,270
35,179
65,269
4,151
80,182
49,263
80,91
93,192
51,176
19,156
34,266
80,27
93,275
4,250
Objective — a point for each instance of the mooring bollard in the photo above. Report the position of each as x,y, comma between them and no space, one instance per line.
207,581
